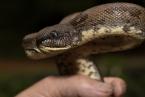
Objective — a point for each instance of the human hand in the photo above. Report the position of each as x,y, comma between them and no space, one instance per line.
76,86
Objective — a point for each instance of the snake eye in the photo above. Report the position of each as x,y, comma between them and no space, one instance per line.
48,38
53,35
42,39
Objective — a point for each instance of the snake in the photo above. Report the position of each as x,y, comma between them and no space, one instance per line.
105,28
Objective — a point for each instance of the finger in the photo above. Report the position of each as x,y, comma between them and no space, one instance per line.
118,84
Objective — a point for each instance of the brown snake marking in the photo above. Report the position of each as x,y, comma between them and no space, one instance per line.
105,28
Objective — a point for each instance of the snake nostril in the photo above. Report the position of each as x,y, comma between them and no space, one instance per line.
26,44
29,42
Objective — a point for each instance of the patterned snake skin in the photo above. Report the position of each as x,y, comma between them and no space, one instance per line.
104,28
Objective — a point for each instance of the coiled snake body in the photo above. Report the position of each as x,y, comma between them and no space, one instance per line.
105,28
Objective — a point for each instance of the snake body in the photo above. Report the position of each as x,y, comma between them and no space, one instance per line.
105,28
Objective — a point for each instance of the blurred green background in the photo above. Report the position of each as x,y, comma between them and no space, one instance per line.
20,17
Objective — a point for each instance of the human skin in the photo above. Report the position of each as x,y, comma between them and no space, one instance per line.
76,86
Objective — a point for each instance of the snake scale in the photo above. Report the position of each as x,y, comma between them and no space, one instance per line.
104,28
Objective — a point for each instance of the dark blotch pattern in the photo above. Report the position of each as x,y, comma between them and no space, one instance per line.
111,15
79,22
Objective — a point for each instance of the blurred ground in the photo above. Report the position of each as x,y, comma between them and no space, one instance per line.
20,17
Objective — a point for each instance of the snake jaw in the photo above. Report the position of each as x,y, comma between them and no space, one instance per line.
50,41
54,51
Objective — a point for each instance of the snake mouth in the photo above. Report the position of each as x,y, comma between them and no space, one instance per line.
54,50
28,51
34,53
48,49
44,52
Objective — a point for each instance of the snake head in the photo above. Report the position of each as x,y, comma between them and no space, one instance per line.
50,41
